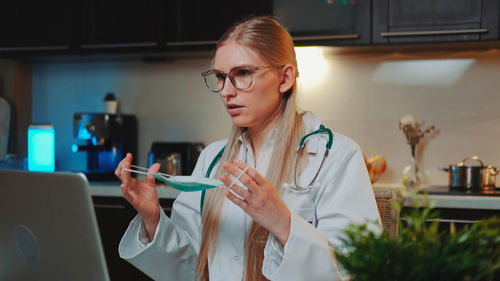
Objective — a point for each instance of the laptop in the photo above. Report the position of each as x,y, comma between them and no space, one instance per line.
48,228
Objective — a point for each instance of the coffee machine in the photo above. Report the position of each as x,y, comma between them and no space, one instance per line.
107,139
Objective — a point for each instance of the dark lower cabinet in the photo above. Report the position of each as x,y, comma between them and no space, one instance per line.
459,217
113,217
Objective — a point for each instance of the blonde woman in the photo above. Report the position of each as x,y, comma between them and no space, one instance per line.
283,211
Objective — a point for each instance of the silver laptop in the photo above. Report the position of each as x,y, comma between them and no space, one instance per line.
48,229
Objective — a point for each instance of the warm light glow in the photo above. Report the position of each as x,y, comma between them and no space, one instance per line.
312,65
439,73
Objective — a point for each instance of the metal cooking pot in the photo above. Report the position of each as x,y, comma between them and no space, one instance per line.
471,177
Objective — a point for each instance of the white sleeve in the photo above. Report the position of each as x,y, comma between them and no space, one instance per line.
170,256
173,253
346,197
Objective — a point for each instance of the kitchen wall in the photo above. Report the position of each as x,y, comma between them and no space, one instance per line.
359,94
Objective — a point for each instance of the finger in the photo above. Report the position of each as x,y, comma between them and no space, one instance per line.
251,172
236,172
236,188
243,205
124,175
119,168
152,170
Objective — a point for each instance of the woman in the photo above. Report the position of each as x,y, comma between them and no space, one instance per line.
272,222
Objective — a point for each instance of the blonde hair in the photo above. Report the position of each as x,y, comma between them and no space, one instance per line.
274,44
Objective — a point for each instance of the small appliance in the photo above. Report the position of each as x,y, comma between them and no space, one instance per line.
107,139
175,158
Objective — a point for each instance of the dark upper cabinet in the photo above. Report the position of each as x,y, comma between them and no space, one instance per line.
325,22
423,21
29,25
120,24
202,22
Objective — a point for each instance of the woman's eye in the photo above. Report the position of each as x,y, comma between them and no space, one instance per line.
220,76
243,72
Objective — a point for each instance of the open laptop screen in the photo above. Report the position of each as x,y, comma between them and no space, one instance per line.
48,228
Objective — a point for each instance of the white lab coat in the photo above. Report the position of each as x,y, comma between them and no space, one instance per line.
343,195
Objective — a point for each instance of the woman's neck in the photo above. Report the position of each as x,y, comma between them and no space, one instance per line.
258,134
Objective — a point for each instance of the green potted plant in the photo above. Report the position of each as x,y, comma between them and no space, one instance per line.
421,252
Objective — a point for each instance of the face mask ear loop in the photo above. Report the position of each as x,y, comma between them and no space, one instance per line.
238,178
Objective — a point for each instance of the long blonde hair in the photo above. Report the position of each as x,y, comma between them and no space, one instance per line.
268,38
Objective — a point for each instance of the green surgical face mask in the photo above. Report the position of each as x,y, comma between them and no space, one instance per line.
190,183
182,183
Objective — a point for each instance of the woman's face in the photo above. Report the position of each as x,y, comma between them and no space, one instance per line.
257,105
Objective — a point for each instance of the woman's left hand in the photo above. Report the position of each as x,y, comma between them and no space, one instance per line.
261,201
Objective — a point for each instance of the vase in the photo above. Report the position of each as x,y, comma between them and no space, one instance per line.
412,176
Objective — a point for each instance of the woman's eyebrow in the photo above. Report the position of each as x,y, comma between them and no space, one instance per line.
241,66
234,67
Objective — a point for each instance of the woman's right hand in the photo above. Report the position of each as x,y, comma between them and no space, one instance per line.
143,196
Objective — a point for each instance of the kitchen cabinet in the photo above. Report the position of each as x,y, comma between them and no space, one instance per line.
202,23
113,217
424,21
325,22
29,26
120,24
458,216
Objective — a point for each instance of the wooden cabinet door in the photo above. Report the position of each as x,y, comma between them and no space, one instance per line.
325,22
120,24
202,22
30,25
423,21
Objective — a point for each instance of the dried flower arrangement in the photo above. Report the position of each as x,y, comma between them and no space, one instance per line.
413,131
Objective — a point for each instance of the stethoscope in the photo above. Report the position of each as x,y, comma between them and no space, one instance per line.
302,143
295,186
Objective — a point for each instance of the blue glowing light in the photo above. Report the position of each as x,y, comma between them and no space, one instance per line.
41,148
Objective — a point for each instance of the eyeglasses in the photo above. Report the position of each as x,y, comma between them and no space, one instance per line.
240,77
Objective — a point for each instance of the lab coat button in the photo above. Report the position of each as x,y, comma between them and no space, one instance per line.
236,258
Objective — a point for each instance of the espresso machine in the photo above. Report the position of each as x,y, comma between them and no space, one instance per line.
106,138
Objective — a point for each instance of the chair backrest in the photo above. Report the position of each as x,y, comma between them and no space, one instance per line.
388,214
4,126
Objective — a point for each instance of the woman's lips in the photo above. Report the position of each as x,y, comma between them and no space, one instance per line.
234,109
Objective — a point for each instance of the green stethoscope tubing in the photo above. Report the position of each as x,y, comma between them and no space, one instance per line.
321,130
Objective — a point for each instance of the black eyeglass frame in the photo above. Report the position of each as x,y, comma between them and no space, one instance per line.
250,68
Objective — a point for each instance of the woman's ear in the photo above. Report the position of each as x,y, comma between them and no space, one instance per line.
287,78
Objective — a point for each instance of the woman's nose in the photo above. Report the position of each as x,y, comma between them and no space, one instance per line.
228,89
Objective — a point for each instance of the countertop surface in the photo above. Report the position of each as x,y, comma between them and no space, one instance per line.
112,189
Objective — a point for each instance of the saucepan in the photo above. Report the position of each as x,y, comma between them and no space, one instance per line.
462,176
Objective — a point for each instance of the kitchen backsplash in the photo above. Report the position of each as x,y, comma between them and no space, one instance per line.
359,95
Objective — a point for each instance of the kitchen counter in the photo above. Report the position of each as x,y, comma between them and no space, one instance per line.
112,189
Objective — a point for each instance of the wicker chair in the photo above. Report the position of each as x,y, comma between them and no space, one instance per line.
388,213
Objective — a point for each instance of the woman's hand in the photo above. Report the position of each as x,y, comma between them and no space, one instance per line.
261,201
143,196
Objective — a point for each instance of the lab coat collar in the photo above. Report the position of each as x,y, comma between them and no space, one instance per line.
313,143
311,122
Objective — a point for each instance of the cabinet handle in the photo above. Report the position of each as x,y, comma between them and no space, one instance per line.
449,220
433,32
119,45
38,48
109,206
326,37
192,43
